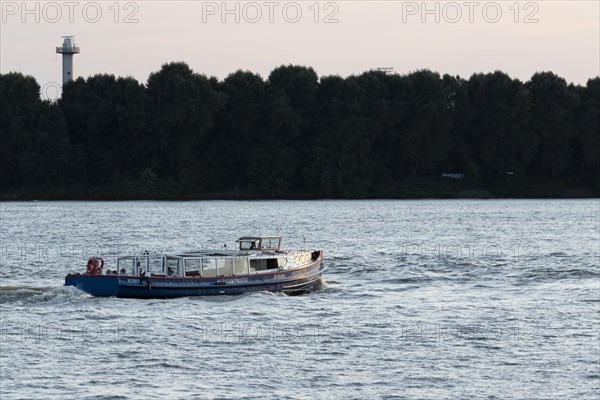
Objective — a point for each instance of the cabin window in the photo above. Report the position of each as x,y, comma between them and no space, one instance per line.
270,244
240,266
192,267
125,265
225,266
172,267
209,267
263,264
249,245
155,265
141,265
258,265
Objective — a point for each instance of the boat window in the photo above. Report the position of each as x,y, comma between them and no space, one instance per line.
192,267
258,265
209,267
125,265
240,265
155,266
225,266
172,265
263,264
141,265
249,245
270,244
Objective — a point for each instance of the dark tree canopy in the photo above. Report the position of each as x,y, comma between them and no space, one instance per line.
295,135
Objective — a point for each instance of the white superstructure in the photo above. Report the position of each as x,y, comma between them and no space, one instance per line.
68,49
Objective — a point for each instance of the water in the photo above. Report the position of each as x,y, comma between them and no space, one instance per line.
422,300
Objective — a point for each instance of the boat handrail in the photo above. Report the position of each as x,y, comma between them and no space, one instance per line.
205,254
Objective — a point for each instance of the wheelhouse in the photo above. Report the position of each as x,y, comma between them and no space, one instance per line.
264,243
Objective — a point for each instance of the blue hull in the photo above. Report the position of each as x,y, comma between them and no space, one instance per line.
293,281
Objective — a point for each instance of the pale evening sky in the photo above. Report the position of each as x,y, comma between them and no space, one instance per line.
519,38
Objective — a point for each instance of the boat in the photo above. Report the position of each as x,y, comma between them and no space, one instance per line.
257,264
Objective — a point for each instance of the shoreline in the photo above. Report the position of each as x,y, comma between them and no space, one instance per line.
220,196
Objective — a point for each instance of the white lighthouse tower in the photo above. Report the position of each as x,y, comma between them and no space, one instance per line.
67,50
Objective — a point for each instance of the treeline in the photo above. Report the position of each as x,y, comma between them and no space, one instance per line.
295,135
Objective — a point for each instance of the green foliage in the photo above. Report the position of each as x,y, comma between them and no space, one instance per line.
554,121
295,135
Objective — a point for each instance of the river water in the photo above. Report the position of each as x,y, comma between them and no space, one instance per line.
491,299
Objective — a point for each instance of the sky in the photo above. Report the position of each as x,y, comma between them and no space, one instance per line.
216,38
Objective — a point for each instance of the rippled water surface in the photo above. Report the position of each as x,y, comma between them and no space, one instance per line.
421,300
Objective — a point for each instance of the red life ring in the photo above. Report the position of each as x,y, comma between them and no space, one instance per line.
94,266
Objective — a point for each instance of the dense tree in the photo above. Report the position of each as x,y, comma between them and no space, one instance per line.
35,154
107,120
183,104
586,147
185,135
502,142
19,98
553,120
230,148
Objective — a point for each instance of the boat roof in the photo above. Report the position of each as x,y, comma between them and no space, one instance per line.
222,252
257,238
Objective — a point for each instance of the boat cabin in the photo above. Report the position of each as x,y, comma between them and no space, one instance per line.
205,264
265,243
255,255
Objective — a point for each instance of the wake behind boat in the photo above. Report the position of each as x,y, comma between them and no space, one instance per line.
259,264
